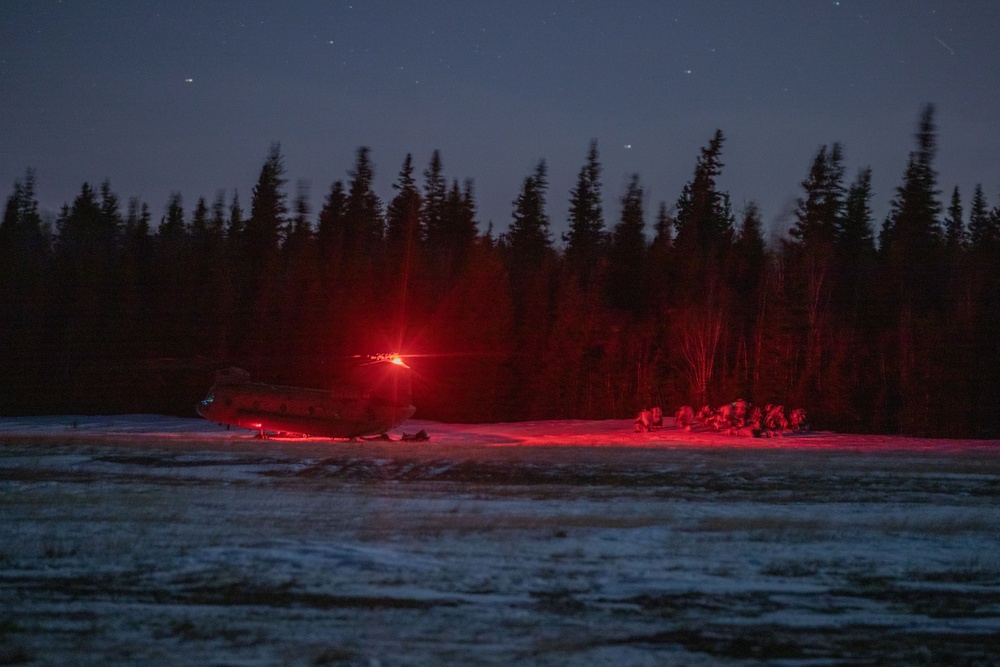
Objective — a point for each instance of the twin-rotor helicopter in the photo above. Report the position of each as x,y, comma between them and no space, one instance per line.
376,397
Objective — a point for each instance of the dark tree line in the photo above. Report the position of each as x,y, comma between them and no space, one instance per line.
109,311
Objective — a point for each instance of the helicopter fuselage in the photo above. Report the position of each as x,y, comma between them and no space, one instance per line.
376,400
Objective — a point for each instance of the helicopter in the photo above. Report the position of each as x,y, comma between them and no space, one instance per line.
375,398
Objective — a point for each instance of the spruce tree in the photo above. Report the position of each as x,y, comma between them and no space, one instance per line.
300,230
403,222
172,225
663,228
435,192
704,237
856,238
627,254
911,235
235,224
983,230
330,230
818,215
851,393
528,236
586,234
704,221
210,270
84,287
199,221
529,256
173,269
139,284
265,228
137,221
749,251
298,304
256,257
403,240
812,271
458,227
354,282
748,268
662,282
955,235
912,290
110,218
24,260
364,224
21,228
856,252
217,223
80,231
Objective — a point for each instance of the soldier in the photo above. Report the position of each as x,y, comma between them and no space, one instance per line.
756,422
775,420
643,421
657,419
723,417
684,417
740,410
798,420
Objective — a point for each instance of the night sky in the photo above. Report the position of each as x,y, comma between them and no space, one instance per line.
184,96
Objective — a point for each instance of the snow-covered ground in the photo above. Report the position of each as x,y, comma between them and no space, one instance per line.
152,540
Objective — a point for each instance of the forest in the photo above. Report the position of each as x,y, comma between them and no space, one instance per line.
890,327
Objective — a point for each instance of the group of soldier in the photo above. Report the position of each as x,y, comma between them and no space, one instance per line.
736,418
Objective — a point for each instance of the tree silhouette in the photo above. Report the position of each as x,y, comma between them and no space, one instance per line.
331,231
704,222
257,255
811,261
403,230
24,260
586,235
435,192
984,233
266,226
911,236
856,238
528,237
627,253
530,258
912,268
704,236
364,225
458,228
956,237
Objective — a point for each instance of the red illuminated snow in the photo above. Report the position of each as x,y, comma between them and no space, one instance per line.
620,433
554,433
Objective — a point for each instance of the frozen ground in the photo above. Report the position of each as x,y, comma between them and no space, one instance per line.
153,540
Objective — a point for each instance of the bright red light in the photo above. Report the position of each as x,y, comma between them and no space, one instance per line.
396,360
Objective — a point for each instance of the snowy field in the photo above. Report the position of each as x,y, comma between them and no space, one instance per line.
151,540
